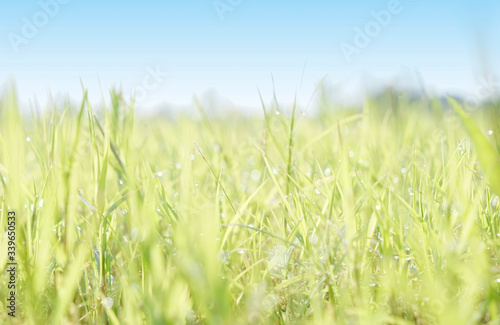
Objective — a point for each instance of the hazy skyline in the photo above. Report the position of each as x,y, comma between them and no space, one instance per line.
168,50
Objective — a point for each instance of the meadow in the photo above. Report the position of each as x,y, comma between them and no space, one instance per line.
384,215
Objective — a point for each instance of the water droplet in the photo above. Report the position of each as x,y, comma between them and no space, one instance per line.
28,139
494,202
224,257
107,302
255,175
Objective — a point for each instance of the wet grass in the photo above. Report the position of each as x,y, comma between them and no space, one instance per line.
385,216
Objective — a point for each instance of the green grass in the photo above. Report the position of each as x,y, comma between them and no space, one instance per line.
388,215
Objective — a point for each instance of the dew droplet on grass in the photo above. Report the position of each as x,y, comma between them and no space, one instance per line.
224,257
255,175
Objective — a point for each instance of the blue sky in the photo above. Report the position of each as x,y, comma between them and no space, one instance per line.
196,47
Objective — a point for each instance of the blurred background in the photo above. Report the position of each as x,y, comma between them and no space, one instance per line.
224,51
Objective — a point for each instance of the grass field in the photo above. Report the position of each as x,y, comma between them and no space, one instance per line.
386,215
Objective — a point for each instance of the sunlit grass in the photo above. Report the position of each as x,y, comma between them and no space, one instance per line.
380,216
